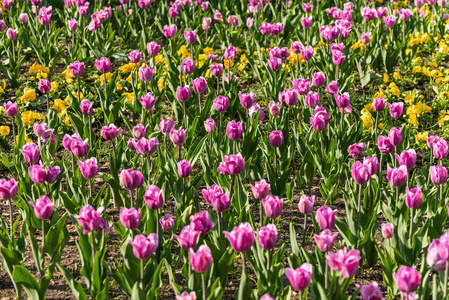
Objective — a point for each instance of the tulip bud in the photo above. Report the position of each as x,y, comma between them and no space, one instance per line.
325,217
299,278
43,208
167,222
130,217
144,247
325,241
387,230
131,179
209,125
86,107
267,236
241,237
201,260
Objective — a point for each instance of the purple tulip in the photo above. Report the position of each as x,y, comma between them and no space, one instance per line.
241,237
306,22
110,132
371,291
153,48
186,296
188,66
273,206
345,262
89,168
413,198
325,217
276,138
31,153
148,102
438,174
260,189
438,254
397,176
379,104
307,52
8,188
202,259
299,278
184,168
144,247
274,107
216,70
169,31
407,158
91,219
10,108
130,217
199,85
201,223
395,136
247,100
221,103
325,241
146,74
86,107
372,163
209,125
131,179
233,164
440,149
407,279
342,100
302,86
177,136
234,130
318,79
23,18
72,24
183,93
135,56
103,65
43,208
190,36
79,148
387,230
165,126
332,88
277,28
44,85
39,175
166,222
356,150
77,69
267,236
320,118
153,197
360,173
396,109
288,97
230,53
140,131
312,99
11,34
305,204
384,145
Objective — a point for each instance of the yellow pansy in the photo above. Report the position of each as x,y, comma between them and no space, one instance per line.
118,86
160,83
413,120
160,59
129,97
36,68
67,75
397,75
59,105
432,64
27,117
386,78
27,139
107,75
202,57
4,130
54,86
369,106
410,99
127,68
379,95
435,73
421,136
417,60
29,95
228,62
38,116
407,51
367,119
244,59
380,126
416,69
208,50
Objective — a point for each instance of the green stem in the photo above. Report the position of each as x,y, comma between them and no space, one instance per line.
91,190
411,227
304,234
203,280
446,273
11,221
132,198
142,273
43,240
13,131
268,260
326,276
199,102
219,223
92,237
261,213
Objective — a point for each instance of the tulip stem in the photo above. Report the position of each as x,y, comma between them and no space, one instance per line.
341,126
322,146
13,131
243,262
261,213
165,148
397,195
446,273
210,142
92,237
158,233
73,163
199,102
179,153
132,198
48,105
142,269
411,227
219,223
185,115
221,125
218,85
10,217
90,132
268,260
79,89
380,171
304,234
275,165
115,152
326,276
203,280
149,164
232,188
43,240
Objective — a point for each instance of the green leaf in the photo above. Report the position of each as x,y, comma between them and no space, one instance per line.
23,276
244,291
76,288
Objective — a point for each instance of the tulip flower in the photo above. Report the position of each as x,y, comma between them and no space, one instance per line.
8,190
134,56
130,217
201,260
440,149
301,86
387,230
91,220
438,254
247,100
167,222
407,279
325,217
395,136
384,144
312,99
260,189
187,296
103,65
300,278
31,153
267,237
379,104
143,248
187,238
43,208
325,241
397,176
371,291
169,31
346,262
241,237
407,158
273,206
39,175
201,222
318,79
396,109
356,150
178,136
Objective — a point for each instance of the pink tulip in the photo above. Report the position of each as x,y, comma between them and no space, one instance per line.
372,163
187,238
273,206
233,164
130,217
305,204
201,222
438,174
153,197
43,208
325,217
234,130
387,230
221,103
407,158
438,254
86,107
267,236
8,188
299,278
77,69
260,189
356,150
384,145
144,247
184,168
440,149
379,104
318,79
89,168
31,153
153,48
346,262
407,279
397,176
325,241
91,219
360,173
166,222
241,237
131,179
188,66
177,136
110,132
135,56
103,65
202,259
396,109
371,292
302,86
10,108
247,100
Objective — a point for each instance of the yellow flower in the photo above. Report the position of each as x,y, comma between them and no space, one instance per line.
397,75
255,53
367,119
36,68
417,60
380,126
432,64
369,106
184,52
59,105
202,57
38,116
28,95
410,99
241,67
413,120
67,121
74,94
127,68
416,69
118,86
28,140
443,47
108,77
379,95
160,83
443,120
243,59
4,130
2,110
228,62
41,75
407,51
421,136
67,75
129,97
357,45
27,117
435,73
160,59
386,78
2,86
208,50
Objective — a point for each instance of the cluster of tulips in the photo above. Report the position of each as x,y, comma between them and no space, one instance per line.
206,163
